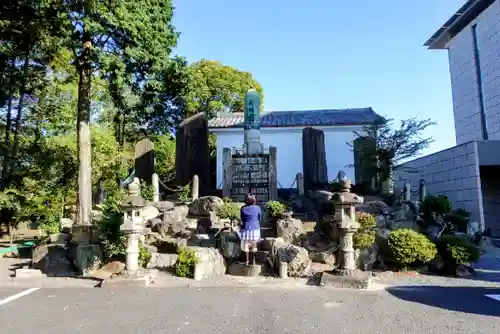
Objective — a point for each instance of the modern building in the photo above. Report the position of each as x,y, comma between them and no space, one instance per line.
284,130
468,173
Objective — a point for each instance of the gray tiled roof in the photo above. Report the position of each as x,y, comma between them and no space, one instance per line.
324,117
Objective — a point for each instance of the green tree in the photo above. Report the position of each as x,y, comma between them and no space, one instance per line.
394,144
216,87
126,42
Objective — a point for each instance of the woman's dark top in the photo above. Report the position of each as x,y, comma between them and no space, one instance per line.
250,217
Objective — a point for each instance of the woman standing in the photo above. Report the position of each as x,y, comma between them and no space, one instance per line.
250,233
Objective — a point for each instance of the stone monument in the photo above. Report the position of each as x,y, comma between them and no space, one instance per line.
251,168
145,166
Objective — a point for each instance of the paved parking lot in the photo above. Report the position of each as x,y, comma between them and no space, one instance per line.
252,310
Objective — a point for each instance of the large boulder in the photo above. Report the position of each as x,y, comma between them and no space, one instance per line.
321,196
290,229
176,214
297,259
374,207
161,261
203,206
210,261
163,206
149,212
366,258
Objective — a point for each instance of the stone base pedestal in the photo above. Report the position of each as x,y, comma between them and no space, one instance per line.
139,278
82,234
353,279
241,269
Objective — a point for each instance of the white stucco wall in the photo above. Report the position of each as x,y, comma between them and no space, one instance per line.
288,142
466,107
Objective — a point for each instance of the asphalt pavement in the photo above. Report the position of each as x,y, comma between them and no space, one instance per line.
412,309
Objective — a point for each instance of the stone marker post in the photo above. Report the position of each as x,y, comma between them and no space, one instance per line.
226,172
422,191
300,184
407,191
195,188
156,187
133,225
345,216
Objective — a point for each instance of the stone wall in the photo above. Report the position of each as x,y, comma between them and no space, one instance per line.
453,172
490,185
466,102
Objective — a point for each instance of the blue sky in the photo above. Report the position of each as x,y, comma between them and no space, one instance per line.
321,54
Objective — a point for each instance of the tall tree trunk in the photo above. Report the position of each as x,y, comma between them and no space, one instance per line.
6,159
84,214
20,106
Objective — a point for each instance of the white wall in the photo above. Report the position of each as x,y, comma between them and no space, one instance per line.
465,91
288,142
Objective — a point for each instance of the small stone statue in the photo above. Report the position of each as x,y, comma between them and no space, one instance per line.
341,176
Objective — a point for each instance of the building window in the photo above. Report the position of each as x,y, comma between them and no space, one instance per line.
479,80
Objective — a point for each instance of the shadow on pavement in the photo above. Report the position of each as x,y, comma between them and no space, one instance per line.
461,299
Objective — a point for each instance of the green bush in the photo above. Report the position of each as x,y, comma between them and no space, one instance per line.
147,191
365,236
275,209
185,193
186,260
109,227
364,239
229,210
459,219
435,205
457,250
227,200
408,247
366,221
144,255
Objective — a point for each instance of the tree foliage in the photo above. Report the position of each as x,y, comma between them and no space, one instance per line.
80,83
394,144
219,88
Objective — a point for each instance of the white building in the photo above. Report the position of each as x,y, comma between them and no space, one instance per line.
283,129
468,173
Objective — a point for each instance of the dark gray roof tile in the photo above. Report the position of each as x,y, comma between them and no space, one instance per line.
324,117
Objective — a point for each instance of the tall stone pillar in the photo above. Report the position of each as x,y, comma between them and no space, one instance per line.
273,174
226,172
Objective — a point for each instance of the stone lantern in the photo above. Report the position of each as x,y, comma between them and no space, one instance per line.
345,218
133,224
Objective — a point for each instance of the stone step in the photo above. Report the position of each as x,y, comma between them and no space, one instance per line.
241,269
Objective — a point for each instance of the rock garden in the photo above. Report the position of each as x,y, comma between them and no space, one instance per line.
197,238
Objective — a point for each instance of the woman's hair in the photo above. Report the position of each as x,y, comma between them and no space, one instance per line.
250,199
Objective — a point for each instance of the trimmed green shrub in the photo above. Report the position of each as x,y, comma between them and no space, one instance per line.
365,236
185,193
144,255
457,250
229,211
366,221
409,247
275,209
435,205
186,260
459,219
364,240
